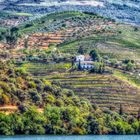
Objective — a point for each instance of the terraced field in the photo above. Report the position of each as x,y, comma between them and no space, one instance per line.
117,41
120,45
106,91
41,69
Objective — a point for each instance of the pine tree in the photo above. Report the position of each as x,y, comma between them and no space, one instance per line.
80,50
139,114
121,110
79,65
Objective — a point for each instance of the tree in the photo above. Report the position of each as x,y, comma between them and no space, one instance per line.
79,65
81,50
26,43
113,62
4,100
136,29
139,114
72,62
121,111
14,29
53,115
99,67
119,129
12,36
129,66
95,55
5,125
33,122
93,126
126,61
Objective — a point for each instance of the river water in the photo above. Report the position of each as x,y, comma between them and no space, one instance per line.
89,137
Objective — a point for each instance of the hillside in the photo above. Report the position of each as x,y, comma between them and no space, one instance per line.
49,43
19,91
122,11
117,41
89,30
46,89
35,106
106,91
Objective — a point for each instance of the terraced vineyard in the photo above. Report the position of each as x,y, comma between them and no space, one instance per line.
40,69
106,91
121,46
114,40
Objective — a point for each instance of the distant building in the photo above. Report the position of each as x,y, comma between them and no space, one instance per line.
85,62
80,58
87,65
87,58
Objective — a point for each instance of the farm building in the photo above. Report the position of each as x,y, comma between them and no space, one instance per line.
84,62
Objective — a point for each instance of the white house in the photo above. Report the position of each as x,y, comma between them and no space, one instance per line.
85,62
87,65
80,58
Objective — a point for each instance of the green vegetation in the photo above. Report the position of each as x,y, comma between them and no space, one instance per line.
99,67
40,23
23,14
10,36
63,112
106,91
8,14
44,69
4,14
131,78
94,55
68,120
